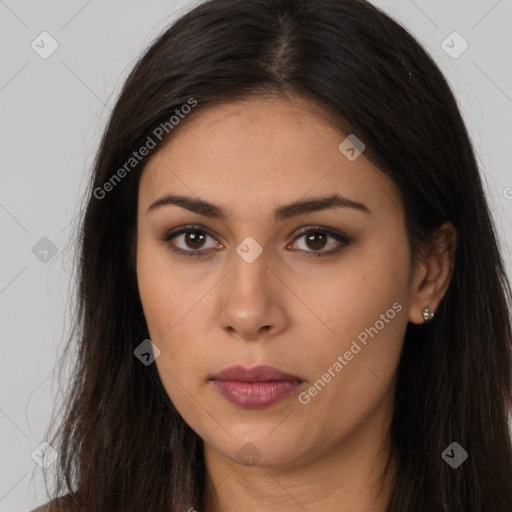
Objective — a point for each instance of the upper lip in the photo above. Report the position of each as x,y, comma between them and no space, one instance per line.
262,373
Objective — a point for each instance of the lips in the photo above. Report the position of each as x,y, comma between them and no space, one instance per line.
255,388
255,374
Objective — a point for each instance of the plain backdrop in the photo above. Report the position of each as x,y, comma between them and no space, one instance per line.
52,113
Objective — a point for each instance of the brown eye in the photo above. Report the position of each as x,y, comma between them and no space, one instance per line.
194,239
315,240
188,240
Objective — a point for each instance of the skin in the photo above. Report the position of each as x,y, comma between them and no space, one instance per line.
285,309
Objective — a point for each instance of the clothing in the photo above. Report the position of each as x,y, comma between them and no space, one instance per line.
44,508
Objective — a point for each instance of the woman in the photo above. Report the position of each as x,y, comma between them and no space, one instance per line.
291,293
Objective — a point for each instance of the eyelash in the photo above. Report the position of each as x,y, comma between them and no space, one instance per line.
340,237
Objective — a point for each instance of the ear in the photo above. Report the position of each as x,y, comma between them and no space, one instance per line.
433,273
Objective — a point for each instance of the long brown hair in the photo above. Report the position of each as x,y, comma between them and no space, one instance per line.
374,80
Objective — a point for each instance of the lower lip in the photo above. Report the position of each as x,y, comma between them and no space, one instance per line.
255,395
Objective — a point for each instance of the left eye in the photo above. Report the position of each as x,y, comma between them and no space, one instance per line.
315,239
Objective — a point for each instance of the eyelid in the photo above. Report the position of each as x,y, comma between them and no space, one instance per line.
319,228
342,239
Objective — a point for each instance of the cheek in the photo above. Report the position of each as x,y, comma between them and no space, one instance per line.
352,372
365,311
171,308
162,294
363,343
366,286
170,330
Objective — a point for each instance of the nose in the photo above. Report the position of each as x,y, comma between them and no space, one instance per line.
252,300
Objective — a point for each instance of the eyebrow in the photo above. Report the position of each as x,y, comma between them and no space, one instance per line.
283,212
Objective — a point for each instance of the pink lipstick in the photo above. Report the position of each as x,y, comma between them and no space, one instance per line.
256,387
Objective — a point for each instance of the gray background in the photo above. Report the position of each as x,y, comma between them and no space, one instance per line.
52,112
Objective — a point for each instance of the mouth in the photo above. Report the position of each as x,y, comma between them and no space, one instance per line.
260,373
256,387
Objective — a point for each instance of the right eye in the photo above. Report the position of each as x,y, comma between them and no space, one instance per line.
191,236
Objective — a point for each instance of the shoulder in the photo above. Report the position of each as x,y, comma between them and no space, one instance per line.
44,508
57,505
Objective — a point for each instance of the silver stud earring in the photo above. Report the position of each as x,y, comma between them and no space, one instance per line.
428,314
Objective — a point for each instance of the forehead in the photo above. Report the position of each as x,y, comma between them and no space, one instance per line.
265,151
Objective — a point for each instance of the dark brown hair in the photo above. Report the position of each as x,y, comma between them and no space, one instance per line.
374,80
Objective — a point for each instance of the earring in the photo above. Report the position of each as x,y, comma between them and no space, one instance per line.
428,314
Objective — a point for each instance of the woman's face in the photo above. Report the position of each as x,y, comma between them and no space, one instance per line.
331,311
